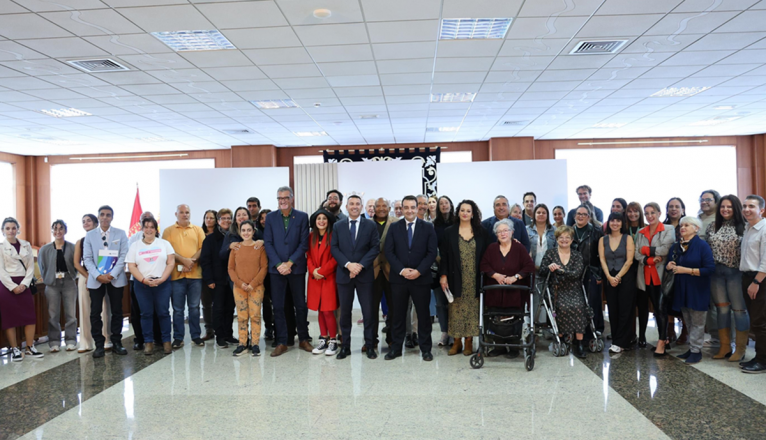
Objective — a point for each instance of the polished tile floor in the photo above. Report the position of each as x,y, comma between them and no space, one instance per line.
201,393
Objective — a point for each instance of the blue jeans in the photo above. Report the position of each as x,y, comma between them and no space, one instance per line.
726,290
186,291
151,300
441,309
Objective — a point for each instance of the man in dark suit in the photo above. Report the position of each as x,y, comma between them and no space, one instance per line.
411,249
355,244
286,240
501,208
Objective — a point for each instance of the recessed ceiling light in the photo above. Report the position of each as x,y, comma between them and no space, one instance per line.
609,125
322,13
441,129
275,103
452,97
182,41
515,123
310,133
369,116
474,28
714,121
724,107
66,113
678,92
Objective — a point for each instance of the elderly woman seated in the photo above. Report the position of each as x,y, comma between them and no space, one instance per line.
691,260
505,262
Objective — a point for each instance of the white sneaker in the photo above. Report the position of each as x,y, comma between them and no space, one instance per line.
32,351
444,340
70,347
321,347
615,349
55,349
16,355
332,348
108,345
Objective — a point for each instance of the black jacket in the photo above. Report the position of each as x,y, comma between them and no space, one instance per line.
587,246
214,269
450,265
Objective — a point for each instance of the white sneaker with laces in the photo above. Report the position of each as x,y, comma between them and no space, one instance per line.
70,347
332,348
615,349
55,349
16,355
321,347
32,351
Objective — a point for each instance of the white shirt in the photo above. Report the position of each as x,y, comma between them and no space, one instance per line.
150,258
754,248
105,234
406,227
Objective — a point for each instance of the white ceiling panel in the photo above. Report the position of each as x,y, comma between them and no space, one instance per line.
22,26
250,84
226,58
290,71
469,48
64,47
350,68
288,55
301,12
262,38
158,61
233,15
480,8
540,27
406,66
167,18
398,51
694,23
354,52
235,73
93,22
329,34
403,31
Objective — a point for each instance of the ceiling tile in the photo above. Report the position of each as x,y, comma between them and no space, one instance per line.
747,21
542,46
93,22
403,31
480,8
624,7
477,64
724,70
730,41
291,71
329,34
180,75
562,27
262,38
10,50
151,89
25,83
349,68
250,84
159,61
547,9
405,79
291,55
75,80
469,48
200,87
21,26
673,24
301,12
407,66
390,10
46,66
457,77
120,78
660,43
395,51
217,58
243,14
745,57
353,80
354,52
579,62
235,73
610,26
301,83
167,18
64,47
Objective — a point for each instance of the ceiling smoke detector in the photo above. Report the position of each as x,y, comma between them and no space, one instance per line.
597,47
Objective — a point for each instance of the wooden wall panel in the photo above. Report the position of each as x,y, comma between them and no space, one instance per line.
512,148
243,156
222,157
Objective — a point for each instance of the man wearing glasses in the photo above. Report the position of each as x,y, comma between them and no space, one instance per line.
286,240
104,255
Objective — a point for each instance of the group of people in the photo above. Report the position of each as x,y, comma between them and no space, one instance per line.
698,269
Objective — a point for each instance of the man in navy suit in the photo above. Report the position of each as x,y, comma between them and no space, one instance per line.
103,245
502,211
355,245
411,249
286,240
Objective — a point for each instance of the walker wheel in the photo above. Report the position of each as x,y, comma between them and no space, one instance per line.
600,345
565,349
556,350
593,345
477,361
529,363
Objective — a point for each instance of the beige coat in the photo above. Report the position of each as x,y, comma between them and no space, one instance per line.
381,262
10,264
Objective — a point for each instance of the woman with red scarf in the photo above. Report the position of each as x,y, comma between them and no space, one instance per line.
652,245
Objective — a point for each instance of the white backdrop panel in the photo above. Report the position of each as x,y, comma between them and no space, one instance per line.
392,180
217,188
483,181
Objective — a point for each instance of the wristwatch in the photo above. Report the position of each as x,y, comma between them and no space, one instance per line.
518,277
756,282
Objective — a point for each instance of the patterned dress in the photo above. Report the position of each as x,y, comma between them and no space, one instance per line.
464,311
572,315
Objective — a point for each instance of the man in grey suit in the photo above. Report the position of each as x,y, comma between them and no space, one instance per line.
355,244
104,254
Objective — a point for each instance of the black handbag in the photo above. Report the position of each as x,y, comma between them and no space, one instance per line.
668,279
33,285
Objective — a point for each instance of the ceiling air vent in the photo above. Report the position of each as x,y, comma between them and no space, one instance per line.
96,66
238,131
597,47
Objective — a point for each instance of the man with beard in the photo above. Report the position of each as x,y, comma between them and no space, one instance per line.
333,204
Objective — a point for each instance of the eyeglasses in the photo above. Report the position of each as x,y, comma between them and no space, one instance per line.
283,199
503,231
225,219
707,199
581,214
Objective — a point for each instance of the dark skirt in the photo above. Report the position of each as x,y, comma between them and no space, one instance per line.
16,310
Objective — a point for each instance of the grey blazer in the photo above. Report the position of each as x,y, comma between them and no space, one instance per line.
118,241
46,259
660,246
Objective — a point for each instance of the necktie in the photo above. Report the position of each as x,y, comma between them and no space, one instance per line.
353,233
409,235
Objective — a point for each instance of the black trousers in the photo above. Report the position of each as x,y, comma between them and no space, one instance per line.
421,298
96,304
223,311
756,308
135,320
206,304
291,286
660,310
594,300
268,308
289,308
381,287
346,298
621,301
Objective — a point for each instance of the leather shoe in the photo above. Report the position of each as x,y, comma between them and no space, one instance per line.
280,350
364,348
747,363
119,349
344,353
408,342
371,353
391,355
428,357
99,352
208,336
306,346
414,339
756,368
138,346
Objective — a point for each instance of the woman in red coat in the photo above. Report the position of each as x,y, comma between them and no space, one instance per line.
322,294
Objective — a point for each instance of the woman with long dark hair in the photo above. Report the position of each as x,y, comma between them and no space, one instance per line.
461,252
209,225
559,217
725,239
634,219
616,250
322,290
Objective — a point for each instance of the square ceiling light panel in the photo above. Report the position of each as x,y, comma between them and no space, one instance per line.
275,103
452,97
65,113
185,41
474,28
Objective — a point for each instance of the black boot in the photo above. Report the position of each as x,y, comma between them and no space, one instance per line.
578,350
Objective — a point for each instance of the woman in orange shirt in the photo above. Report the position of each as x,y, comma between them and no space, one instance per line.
247,270
322,292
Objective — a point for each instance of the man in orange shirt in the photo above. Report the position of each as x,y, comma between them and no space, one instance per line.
186,240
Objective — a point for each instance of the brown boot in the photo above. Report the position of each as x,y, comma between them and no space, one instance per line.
468,348
149,348
279,350
167,347
457,347
741,346
306,346
724,335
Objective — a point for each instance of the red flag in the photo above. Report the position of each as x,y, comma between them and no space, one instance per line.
135,218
